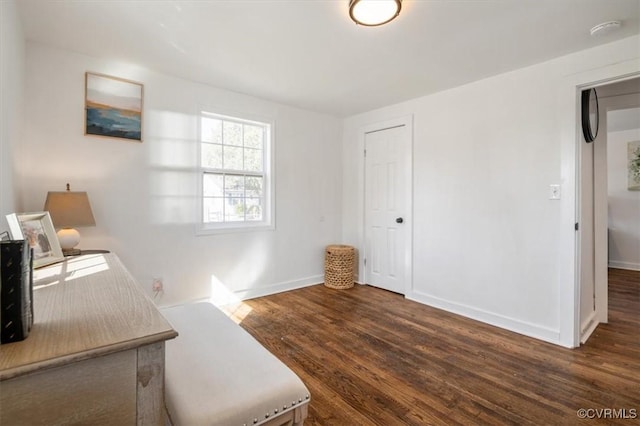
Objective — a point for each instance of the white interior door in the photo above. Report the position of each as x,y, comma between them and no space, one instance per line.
387,208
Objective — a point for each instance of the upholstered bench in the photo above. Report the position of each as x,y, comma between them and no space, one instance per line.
218,374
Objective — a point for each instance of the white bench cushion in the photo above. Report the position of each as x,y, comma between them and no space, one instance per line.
218,374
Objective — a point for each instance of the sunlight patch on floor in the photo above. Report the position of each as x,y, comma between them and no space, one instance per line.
228,301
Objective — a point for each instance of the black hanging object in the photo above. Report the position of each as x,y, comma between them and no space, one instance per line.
590,114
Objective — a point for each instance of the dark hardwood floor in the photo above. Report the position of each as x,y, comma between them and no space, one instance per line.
370,357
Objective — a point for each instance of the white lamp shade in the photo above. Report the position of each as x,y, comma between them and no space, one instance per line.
69,209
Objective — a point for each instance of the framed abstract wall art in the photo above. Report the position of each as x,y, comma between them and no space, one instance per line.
113,107
633,154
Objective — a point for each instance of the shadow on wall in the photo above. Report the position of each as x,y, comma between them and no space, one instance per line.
173,153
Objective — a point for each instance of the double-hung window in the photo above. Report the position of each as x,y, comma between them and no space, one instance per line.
235,173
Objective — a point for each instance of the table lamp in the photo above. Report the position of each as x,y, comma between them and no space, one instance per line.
69,209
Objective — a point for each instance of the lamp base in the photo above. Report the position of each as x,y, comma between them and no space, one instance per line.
68,238
71,252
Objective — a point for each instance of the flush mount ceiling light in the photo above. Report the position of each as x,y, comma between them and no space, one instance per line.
372,13
605,28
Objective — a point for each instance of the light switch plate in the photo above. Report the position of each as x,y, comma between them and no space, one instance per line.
554,192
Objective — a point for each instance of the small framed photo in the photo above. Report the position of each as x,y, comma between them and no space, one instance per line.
112,107
39,232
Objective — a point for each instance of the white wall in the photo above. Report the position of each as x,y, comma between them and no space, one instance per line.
12,47
144,194
624,205
487,239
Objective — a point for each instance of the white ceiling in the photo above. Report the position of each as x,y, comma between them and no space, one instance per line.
309,54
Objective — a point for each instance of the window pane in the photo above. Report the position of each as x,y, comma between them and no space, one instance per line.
253,136
211,130
232,158
253,209
232,133
212,185
213,210
234,186
253,186
253,160
211,155
234,211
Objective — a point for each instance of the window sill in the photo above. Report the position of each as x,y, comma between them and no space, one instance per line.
229,228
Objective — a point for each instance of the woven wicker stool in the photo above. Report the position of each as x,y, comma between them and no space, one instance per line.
338,266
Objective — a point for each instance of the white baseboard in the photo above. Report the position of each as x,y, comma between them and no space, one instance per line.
226,297
252,293
624,265
522,327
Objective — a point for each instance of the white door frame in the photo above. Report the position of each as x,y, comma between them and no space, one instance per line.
571,138
598,226
408,266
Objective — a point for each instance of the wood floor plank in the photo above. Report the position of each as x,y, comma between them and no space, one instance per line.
370,357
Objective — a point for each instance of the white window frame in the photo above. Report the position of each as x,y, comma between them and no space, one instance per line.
268,220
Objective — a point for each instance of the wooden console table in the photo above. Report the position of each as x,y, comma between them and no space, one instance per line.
95,354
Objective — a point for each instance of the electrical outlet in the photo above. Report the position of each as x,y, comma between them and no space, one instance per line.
157,285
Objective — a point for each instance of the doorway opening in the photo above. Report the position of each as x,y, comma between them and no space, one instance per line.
607,219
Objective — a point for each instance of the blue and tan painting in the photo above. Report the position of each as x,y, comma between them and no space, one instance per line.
113,107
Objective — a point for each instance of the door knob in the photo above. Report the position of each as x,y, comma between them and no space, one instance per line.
399,220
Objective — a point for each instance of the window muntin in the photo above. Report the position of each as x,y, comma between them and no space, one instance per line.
234,163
